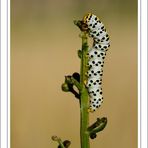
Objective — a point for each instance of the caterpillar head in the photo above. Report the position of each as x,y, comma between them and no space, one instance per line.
83,26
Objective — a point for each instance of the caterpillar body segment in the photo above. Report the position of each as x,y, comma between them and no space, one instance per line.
96,55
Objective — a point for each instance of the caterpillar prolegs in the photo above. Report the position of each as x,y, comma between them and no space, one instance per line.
96,56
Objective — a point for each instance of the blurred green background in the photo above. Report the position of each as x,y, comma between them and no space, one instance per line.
44,44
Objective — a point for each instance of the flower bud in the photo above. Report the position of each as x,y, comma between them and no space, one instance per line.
76,76
93,136
65,87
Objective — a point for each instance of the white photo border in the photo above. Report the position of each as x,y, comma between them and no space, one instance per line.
5,73
142,74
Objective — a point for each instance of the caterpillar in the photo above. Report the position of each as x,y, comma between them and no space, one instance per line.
96,55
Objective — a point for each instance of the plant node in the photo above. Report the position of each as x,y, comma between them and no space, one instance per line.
70,82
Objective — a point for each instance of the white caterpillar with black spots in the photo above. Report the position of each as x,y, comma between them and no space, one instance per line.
96,56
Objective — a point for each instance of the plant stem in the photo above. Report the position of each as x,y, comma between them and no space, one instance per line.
84,99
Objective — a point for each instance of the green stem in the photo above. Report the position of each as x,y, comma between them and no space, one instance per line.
84,99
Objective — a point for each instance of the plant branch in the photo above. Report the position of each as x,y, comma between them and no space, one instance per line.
98,126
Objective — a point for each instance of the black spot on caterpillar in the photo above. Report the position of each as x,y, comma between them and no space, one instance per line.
96,30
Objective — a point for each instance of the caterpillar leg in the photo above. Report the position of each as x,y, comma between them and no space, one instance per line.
90,110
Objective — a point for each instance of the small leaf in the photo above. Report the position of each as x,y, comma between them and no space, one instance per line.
79,54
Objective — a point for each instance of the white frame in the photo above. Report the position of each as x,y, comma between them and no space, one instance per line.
5,73
142,72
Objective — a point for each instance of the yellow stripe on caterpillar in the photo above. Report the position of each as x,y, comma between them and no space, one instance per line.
87,16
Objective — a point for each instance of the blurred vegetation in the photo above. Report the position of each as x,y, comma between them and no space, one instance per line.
41,10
